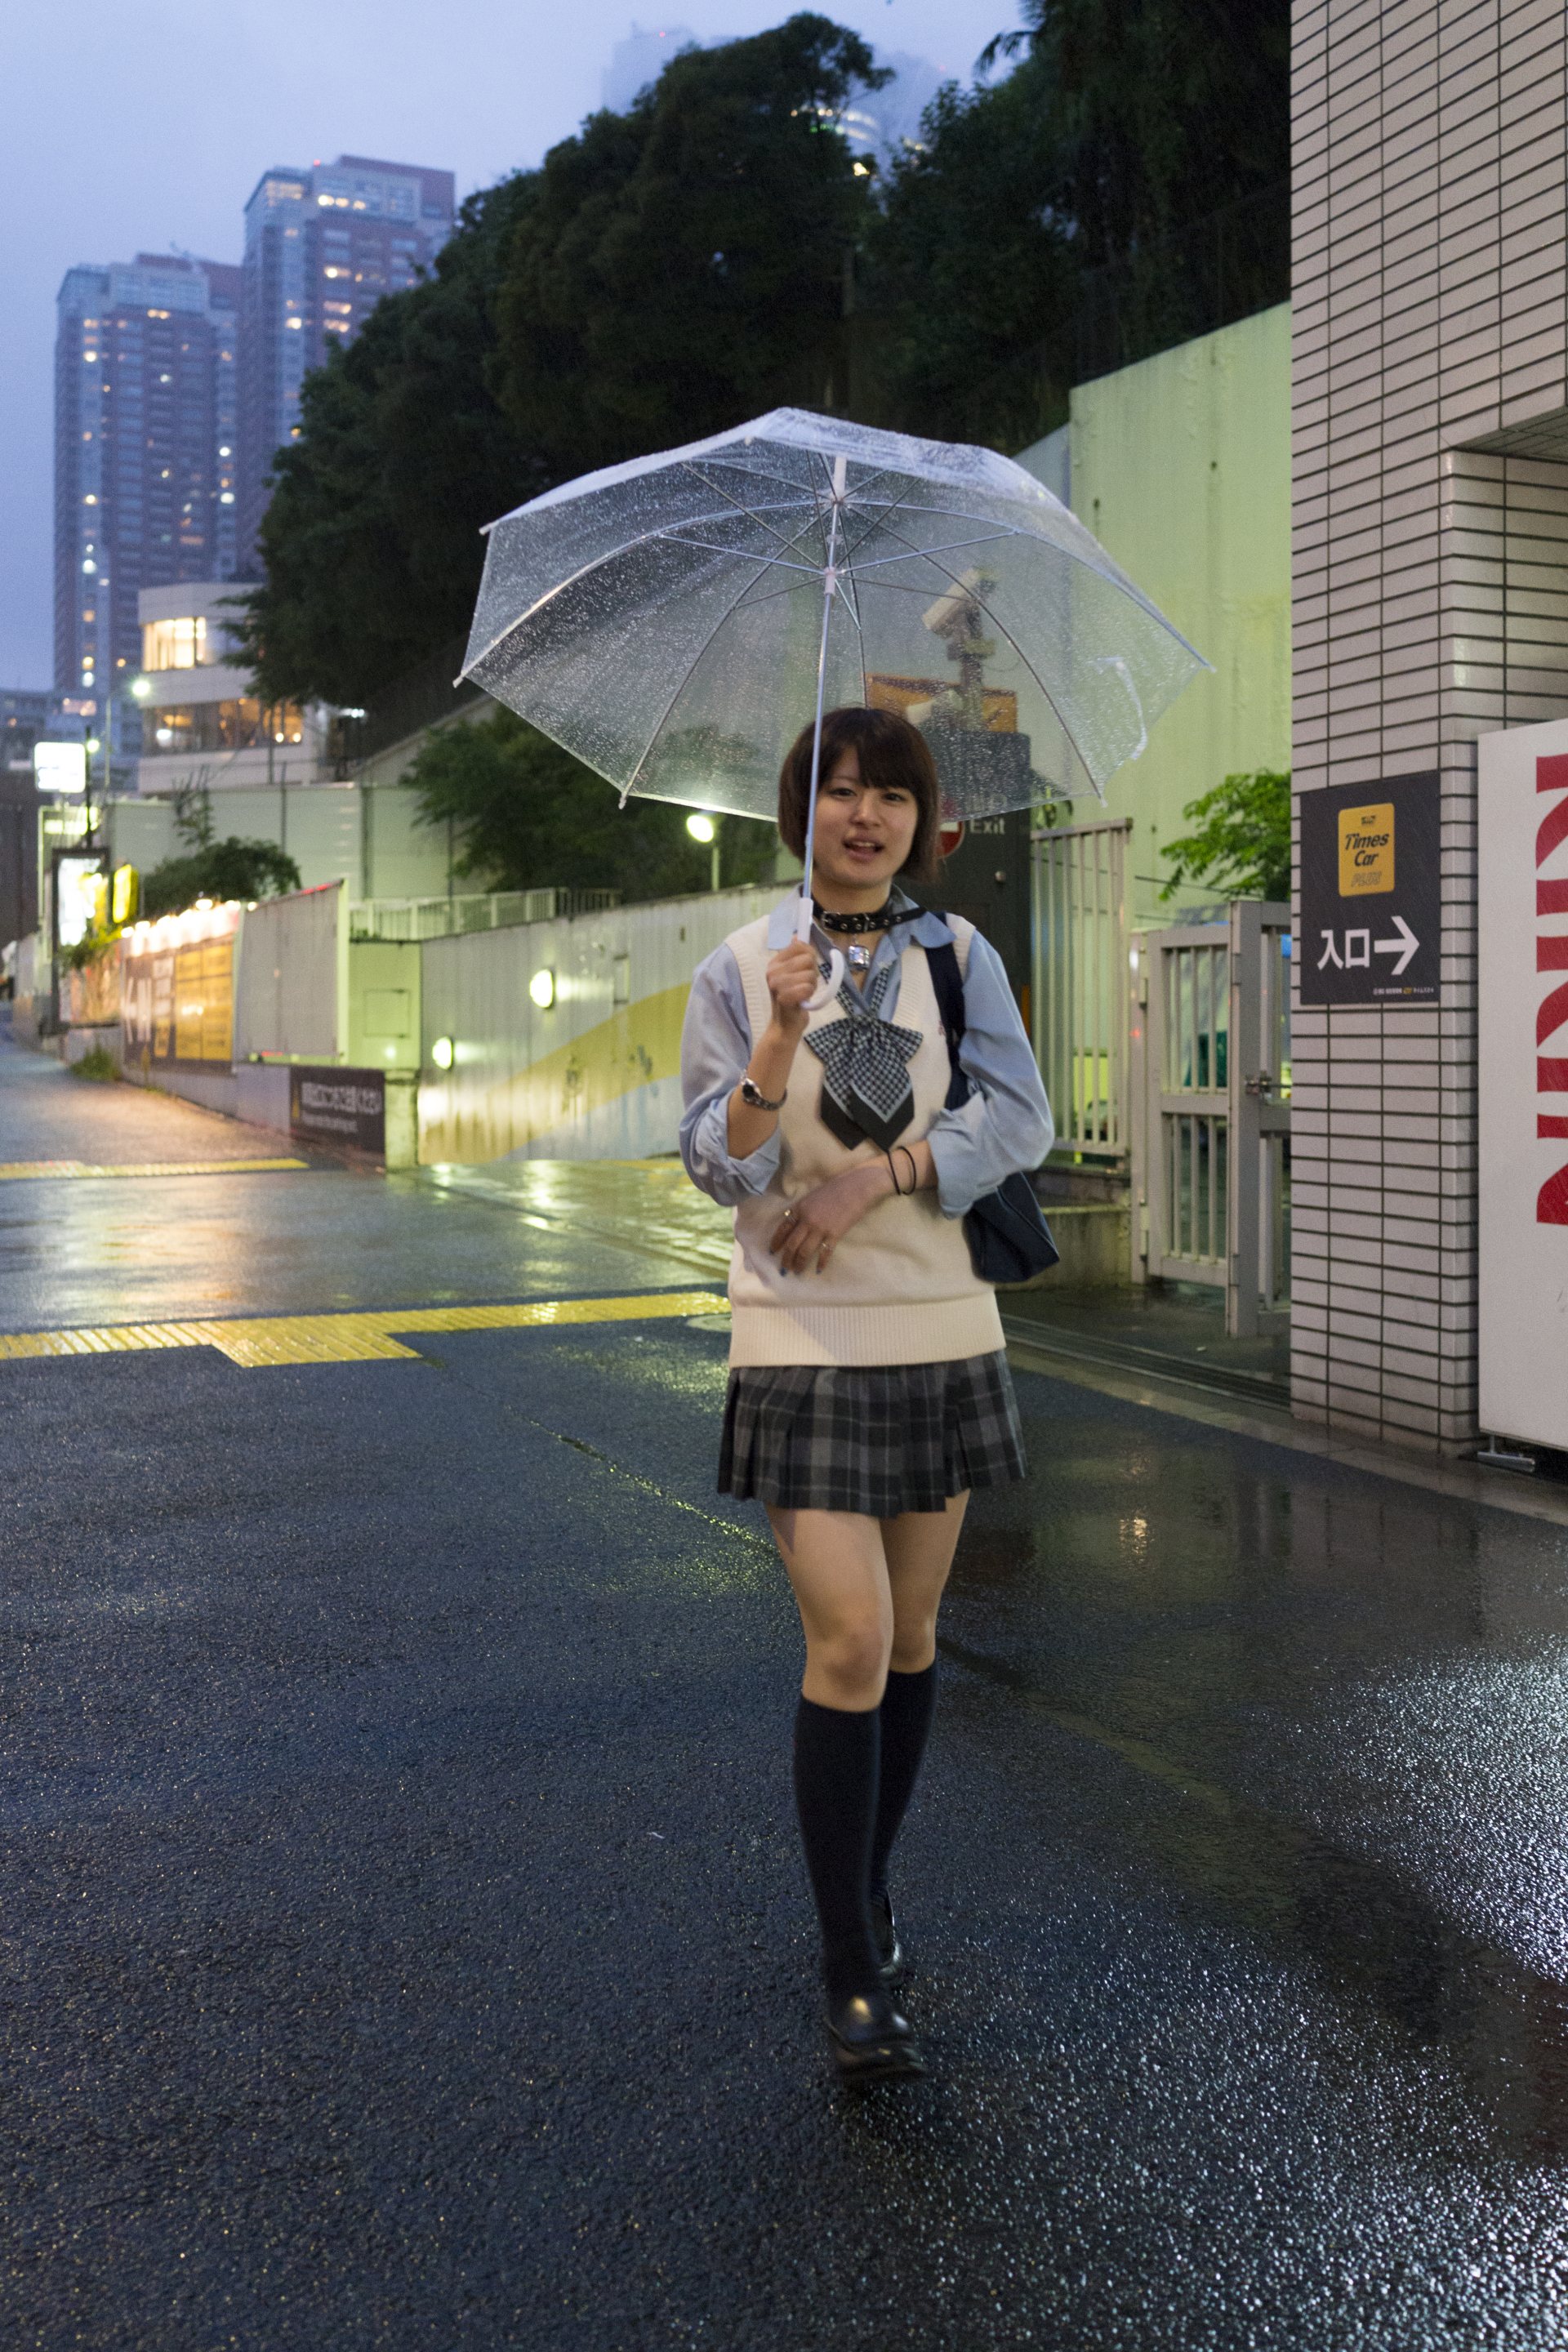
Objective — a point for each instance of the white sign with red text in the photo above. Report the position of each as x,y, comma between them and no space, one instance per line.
1522,1007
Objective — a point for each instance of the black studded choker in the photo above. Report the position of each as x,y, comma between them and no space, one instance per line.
880,918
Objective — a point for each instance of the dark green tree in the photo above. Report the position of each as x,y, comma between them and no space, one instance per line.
1241,847
527,814
1157,111
967,263
370,541
231,868
681,266
1119,191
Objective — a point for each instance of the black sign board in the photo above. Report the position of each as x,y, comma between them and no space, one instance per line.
986,881
1371,923
347,1107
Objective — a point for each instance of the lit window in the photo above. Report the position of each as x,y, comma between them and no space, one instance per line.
90,358
90,499
174,645
294,322
226,498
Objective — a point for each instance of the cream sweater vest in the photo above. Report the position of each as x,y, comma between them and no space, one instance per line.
899,1288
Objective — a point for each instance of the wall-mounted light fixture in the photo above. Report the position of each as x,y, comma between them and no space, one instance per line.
541,988
441,1052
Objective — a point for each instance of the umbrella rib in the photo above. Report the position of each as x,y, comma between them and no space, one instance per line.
739,504
584,572
684,681
1018,649
948,547
744,554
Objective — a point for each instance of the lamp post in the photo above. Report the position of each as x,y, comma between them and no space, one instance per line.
705,828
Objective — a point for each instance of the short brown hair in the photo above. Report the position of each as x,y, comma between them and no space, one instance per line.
892,753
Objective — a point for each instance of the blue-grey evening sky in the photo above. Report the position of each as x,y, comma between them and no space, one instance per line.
136,129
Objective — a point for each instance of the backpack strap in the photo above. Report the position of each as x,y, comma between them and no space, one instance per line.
947,976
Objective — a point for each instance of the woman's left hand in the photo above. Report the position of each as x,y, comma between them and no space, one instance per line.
807,1235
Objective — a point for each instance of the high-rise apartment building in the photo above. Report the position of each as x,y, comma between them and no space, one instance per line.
145,452
322,247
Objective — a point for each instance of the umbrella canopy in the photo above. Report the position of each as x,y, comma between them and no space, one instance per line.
674,622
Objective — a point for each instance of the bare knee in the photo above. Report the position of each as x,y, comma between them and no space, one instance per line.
914,1643
848,1665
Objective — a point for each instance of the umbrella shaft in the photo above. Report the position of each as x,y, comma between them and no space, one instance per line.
829,583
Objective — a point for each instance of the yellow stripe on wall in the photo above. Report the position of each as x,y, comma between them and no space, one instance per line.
639,1043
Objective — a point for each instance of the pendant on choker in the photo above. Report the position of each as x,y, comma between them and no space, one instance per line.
858,958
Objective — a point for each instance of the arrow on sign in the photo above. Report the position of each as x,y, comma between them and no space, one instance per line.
1404,946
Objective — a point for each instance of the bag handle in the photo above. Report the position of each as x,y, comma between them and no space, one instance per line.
947,985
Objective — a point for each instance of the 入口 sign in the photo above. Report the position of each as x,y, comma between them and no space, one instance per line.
1371,927
1522,833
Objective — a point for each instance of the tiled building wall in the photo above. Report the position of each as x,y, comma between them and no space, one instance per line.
1430,604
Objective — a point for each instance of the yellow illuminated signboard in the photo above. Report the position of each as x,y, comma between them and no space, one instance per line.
1366,850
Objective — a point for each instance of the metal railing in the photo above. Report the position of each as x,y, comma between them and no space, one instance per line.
476,911
1079,995
1210,1084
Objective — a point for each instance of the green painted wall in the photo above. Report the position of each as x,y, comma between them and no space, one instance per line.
1180,468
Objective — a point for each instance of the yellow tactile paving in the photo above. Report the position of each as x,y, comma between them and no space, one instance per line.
260,1340
12,1171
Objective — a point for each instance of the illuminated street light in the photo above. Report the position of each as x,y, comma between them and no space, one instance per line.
704,828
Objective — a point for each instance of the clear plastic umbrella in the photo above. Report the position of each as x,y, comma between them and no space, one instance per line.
676,621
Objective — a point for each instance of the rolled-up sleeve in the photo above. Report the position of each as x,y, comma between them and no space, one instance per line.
1007,1124
715,1046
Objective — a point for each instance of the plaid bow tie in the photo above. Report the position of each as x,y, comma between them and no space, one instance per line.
866,1090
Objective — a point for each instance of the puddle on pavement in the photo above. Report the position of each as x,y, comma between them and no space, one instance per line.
1260,1646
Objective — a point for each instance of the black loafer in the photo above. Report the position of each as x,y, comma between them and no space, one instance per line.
885,1936
870,2042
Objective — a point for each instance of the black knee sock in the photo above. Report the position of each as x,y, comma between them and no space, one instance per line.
906,1712
835,1790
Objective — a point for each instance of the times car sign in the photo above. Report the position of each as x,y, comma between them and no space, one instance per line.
1522,833
1371,928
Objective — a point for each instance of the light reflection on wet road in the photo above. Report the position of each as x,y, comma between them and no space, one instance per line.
404,1943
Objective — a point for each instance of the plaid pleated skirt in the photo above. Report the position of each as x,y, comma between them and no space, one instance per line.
879,1439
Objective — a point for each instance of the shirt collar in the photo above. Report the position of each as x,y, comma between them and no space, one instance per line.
927,930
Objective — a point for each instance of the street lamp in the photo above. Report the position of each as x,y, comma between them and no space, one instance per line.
703,827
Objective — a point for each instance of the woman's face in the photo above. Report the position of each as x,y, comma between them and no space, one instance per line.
864,831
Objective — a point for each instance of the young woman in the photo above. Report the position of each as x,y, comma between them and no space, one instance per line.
868,1390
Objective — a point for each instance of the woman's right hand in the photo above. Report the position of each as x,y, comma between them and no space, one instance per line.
793,976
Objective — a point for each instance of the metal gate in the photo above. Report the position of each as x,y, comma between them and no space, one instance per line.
1079,1001
1210,1083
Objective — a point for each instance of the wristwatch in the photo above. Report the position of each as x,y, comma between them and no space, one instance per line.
752,1093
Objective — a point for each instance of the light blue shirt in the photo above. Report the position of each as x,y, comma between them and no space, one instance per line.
1005,1125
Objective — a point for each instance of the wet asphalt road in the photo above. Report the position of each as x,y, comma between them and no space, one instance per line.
404,1940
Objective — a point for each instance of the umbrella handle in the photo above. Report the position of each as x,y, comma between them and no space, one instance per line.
830,986
835,981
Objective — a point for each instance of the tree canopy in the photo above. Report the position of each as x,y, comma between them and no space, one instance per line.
681,266
1241,847
675,267
231,868
1087,181
527,812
